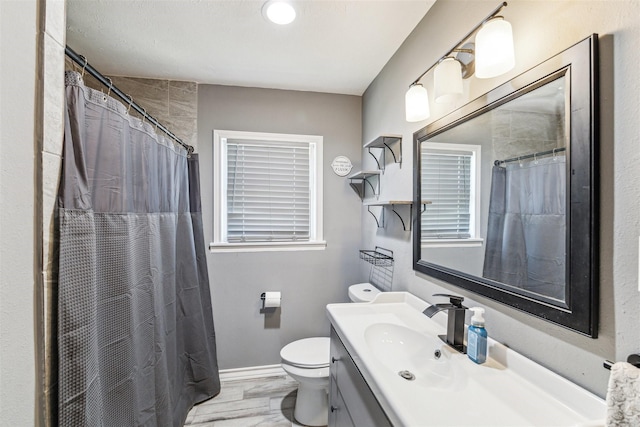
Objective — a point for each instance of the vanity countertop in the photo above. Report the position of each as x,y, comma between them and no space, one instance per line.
390,335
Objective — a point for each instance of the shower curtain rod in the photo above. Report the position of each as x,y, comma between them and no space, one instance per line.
82,61
529,156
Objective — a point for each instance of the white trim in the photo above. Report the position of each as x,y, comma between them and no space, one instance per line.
317,194
251,372
266,246
219,181
452,243
316,231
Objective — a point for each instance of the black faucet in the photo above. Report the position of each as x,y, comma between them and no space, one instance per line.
455,324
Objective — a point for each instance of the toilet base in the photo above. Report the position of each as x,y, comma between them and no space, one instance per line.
312,407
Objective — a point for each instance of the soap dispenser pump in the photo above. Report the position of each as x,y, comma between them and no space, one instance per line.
477,337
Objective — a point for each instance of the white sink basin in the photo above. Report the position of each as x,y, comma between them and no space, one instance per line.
390,335
411,355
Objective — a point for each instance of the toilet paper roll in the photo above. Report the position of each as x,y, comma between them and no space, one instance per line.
272,299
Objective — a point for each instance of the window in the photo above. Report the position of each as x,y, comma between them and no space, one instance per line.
267,191
451,174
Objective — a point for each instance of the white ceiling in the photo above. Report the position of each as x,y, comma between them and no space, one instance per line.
332,46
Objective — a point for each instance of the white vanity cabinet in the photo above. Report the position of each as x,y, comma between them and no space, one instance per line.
351,402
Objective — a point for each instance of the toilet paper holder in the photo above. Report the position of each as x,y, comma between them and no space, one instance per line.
263,297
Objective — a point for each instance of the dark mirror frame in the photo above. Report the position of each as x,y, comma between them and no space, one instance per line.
579,312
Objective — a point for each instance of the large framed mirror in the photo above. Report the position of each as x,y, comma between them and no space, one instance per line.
505,192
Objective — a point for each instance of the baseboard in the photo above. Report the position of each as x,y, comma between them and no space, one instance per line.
251,372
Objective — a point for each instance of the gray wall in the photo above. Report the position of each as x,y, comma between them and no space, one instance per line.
541,29
308,280
31,126
18,20
31,123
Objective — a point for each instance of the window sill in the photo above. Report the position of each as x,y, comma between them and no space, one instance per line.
219,247
452,243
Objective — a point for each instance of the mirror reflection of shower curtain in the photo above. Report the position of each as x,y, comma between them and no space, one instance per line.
526,233
136,343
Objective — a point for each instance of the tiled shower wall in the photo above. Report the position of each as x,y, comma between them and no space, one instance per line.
173,103
49,128
514,132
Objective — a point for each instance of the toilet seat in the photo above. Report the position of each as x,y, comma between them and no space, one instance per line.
307,353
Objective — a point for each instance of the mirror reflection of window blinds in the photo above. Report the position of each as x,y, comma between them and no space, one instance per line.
267,192
446,183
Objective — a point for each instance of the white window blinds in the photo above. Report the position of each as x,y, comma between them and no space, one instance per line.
268,191
446,183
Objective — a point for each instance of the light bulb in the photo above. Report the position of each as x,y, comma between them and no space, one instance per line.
447,81
279,12
416,103
494,49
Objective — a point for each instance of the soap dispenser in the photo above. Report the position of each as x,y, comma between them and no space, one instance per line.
477,337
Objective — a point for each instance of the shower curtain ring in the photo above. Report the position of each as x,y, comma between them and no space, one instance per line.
144,115
109,90
130,102
84,66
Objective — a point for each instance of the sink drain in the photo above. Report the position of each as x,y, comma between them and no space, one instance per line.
407,375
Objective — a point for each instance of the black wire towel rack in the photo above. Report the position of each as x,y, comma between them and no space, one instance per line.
377,257
633,359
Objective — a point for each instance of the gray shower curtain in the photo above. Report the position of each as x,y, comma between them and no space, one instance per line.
136,342
525,245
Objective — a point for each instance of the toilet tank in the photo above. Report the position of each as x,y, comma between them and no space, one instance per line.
362,292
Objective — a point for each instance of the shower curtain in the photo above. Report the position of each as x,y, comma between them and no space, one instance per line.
525,245
136,343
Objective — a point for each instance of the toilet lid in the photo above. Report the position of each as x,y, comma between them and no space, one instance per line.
308,352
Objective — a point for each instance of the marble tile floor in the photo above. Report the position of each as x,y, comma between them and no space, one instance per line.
257,402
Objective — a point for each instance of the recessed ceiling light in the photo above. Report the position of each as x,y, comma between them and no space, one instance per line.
279,12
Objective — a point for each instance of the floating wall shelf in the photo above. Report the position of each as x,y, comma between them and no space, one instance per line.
387,142
393,203
424,204
358,179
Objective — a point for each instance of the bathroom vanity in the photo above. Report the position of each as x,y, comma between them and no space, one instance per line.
389,368
351,401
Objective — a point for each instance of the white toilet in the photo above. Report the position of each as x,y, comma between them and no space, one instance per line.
307,362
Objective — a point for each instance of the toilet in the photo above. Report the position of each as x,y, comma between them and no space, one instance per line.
307,362
363,292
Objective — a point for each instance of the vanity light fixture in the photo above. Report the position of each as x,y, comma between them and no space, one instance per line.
417,103
279,12
447,80
494,49
491,55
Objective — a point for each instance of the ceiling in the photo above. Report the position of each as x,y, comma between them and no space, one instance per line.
332,46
